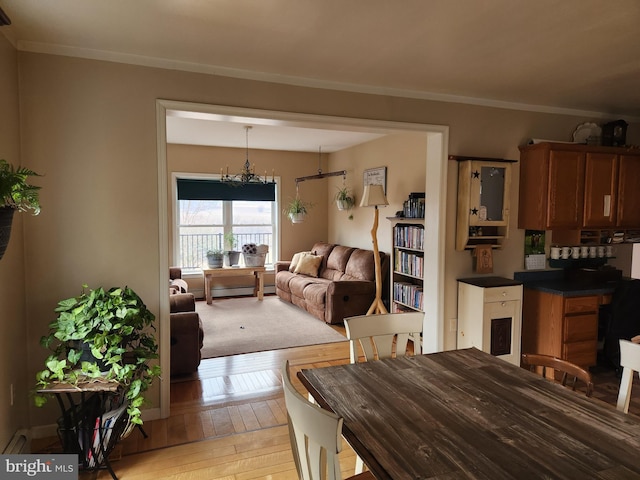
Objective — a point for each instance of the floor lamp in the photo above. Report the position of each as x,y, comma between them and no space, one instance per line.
373,196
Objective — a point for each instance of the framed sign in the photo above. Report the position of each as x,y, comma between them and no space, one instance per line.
376,176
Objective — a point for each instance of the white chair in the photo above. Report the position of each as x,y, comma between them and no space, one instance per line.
630,361
315,435
383,336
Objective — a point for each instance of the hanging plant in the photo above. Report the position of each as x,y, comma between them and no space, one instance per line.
345,200
15,195
297,209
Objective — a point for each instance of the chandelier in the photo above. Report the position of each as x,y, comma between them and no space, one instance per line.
248,173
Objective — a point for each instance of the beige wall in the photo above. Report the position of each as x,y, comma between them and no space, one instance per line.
90,126
13,320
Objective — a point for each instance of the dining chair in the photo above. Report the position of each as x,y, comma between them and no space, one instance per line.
315,435
384,335
570,371
630,363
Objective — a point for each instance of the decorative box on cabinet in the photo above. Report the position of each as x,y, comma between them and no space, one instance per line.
407,272
490,316
483,201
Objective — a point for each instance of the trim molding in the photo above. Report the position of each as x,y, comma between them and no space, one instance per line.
165,63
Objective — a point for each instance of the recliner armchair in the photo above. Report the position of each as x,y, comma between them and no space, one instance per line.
187,335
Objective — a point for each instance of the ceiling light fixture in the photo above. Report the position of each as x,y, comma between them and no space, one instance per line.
248,173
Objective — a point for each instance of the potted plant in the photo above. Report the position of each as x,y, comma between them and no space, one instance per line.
15,194
215,258
345,200
102,335
297,209
232,256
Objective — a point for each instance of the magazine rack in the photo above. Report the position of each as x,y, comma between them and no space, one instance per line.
94,417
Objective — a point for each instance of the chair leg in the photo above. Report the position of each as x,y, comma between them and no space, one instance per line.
359,465
624,395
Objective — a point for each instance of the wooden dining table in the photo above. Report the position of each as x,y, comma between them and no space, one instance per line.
466,414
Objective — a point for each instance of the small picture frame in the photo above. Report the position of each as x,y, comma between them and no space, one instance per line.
376,176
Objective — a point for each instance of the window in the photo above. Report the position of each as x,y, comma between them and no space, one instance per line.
203,221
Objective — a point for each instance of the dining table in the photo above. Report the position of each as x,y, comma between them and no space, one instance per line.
465,414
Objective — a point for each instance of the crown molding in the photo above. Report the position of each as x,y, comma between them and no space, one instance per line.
164,63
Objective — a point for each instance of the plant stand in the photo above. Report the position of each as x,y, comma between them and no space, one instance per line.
94,417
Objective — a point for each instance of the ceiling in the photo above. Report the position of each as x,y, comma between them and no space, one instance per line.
564,56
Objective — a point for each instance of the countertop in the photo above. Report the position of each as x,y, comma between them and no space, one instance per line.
489,282
557,284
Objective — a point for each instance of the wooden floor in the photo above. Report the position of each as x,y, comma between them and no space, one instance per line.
228,421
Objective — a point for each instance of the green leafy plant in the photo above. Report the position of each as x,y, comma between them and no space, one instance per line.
15,191
344,198
116,326
230,241
297,206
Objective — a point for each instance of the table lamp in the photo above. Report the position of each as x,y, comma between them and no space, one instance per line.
373,196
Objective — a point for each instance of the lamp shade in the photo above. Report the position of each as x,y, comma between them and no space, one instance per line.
373,195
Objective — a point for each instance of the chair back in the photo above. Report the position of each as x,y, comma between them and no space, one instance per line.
570,372
315,434
385,335
630,362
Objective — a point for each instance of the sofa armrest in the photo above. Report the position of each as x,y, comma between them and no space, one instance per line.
187,338
182,302
348,298
282,265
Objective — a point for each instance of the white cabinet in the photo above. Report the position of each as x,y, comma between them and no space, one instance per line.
490,316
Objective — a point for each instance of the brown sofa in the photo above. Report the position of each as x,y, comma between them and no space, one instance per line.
187,335
344,286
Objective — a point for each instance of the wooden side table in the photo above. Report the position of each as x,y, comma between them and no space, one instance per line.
258,272
94,417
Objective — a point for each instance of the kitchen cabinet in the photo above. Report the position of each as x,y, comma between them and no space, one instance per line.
629,191
600,191
571,187
490,316
562,326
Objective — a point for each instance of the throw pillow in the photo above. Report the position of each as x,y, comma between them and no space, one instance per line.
296,258
308,265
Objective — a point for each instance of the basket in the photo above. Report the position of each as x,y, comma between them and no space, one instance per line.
254,259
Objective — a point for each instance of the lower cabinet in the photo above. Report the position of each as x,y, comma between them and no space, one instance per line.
489,316
564,327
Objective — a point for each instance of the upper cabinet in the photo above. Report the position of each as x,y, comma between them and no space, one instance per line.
483,201
570,187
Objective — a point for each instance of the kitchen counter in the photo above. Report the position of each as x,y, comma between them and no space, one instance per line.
554,281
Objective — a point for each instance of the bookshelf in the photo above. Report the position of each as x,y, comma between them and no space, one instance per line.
407,272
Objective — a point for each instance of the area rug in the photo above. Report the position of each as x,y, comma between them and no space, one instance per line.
246,325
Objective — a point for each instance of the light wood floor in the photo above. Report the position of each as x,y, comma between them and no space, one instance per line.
228,421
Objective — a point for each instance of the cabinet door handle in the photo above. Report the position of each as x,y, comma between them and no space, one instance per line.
503,304
607,205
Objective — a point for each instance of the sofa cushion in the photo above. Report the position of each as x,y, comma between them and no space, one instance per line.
296,258
299,283
308,265
323,249
337,262
361,266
